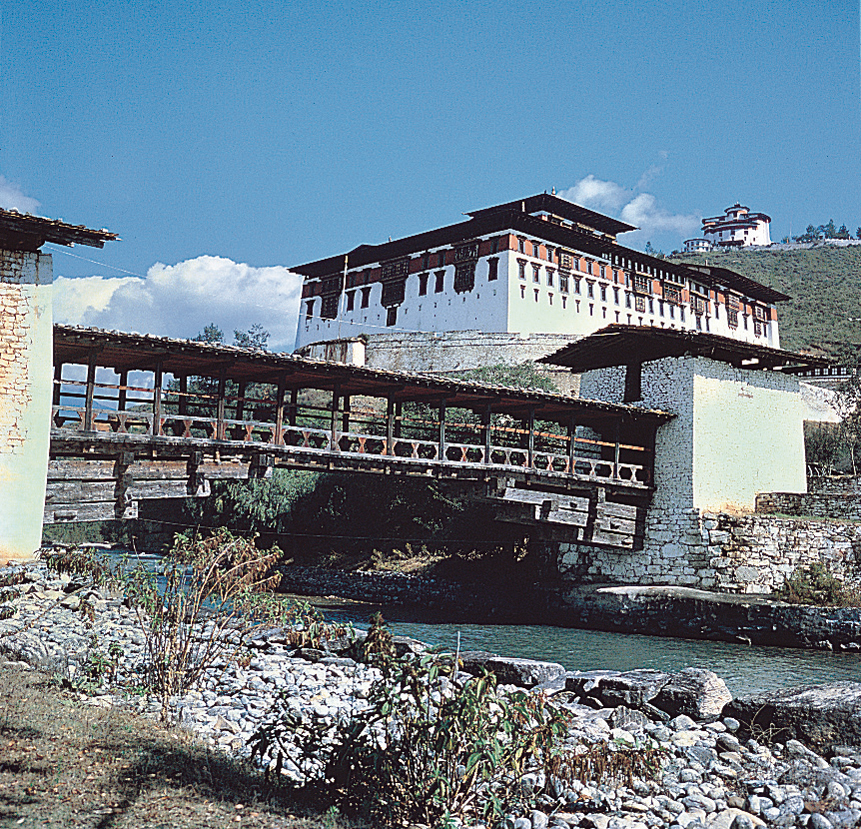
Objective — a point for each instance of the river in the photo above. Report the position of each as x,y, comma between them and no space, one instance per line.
745,668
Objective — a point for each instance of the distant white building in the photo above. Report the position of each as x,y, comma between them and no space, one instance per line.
738,227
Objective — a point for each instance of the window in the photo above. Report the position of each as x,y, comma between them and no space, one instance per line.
603,293
521,245
603,272
673,293
494,245
732,317
523,292
366,297
642,284
521,268
640,303
536,250
564,302
591,310
439,283
426,261
590,289
550,273
492,268
566,261
329,307
576,285
550,253
563,283
351,300
464,277
536,273
423,284
627,299
537,293
616,295
392,315
309,309
440,259
550,298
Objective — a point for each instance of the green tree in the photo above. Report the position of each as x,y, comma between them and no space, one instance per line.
858,233
211,334
829,230
255,337
843,233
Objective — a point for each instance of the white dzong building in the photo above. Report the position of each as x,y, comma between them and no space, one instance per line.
540,265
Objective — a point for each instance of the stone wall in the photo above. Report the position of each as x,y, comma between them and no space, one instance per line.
462,350
828,497
726,553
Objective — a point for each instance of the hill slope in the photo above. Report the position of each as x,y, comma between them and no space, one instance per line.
824,283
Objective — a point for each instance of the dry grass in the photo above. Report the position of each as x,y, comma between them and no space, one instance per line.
65,763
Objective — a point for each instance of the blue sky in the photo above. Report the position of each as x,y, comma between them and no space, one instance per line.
260,135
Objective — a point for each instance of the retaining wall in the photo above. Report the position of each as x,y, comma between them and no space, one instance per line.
727,553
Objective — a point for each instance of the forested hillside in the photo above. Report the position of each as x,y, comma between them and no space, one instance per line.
824,283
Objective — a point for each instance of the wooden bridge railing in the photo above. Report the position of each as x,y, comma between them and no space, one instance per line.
359,426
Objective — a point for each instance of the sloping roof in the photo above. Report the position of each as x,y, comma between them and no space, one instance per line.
547,203
746,286
131,352
22,231
619,345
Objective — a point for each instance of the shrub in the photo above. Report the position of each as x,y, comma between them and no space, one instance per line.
200,606
814,585
425,748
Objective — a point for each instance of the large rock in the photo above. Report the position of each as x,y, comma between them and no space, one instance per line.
525,673
819,715
697,692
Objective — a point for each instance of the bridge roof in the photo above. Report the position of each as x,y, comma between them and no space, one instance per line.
21,231
619,345
143,352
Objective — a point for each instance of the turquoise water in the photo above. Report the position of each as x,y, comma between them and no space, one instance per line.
744,668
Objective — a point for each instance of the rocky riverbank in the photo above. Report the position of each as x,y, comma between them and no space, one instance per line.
718,771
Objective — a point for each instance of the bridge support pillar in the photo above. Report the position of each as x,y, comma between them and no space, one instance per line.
26,380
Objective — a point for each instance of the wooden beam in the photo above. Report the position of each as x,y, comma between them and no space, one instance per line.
441,435
158,378
92,358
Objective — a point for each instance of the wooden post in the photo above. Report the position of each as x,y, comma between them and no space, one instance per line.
182,405
294,406
122,396
390,426
399,418
487,432
572,446
345,418
156,398
530,451
617,430
333,425
279,409
220,405
58,382
442,430
91,390
240,403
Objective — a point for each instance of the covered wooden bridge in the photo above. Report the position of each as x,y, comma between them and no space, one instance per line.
136,416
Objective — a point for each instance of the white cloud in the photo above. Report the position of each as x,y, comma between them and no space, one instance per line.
180,300
644,212
634,206
594,192
12,198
